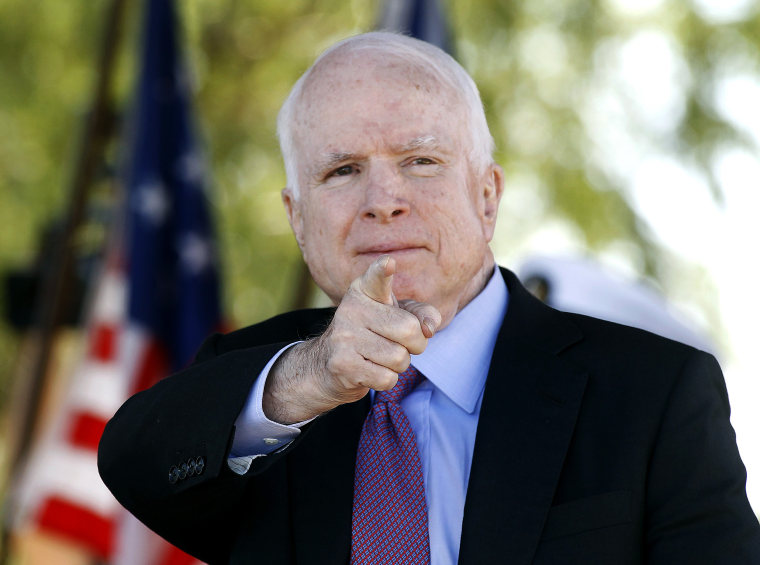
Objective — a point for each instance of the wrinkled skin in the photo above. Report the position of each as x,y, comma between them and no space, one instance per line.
392,219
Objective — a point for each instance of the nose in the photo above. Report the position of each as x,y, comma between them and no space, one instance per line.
384,198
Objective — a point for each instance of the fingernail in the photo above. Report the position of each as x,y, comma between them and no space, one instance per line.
430,324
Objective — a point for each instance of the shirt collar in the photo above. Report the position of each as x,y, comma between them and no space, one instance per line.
457,358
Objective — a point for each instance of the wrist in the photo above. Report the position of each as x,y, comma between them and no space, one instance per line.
291,393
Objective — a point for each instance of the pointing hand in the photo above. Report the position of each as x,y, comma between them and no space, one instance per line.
367,344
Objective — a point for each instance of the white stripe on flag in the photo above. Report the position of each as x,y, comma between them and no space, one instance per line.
100,388
63,471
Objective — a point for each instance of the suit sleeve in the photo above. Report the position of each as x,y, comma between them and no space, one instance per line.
698,511
164,453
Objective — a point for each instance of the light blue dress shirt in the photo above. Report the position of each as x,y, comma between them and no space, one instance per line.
443,412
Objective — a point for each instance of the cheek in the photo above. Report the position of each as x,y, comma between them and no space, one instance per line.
457,209
462,232
327,225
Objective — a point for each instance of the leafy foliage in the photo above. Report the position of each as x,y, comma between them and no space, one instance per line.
543,67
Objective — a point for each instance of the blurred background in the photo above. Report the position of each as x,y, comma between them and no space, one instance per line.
629,131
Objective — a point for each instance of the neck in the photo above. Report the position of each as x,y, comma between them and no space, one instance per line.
475,287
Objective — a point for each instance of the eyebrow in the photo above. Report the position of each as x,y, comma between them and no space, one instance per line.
331,160
422,142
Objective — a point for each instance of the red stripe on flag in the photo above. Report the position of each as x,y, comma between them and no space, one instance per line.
153,366
86,431
103,342
78,524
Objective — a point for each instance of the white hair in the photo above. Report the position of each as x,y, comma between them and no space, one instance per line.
414,52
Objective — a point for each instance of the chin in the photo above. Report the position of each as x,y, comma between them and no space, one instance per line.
410,288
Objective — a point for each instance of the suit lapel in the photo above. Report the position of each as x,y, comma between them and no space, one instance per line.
321,475
530,405
529,408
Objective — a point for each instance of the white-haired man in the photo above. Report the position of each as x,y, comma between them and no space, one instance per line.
522,435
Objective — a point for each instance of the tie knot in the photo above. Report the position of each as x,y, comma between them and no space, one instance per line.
406,383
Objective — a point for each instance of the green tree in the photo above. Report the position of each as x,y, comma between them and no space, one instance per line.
542,66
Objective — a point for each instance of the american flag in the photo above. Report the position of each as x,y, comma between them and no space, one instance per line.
154,303
423,19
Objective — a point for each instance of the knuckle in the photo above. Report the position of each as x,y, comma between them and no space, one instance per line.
409,328
386,380
399,358
418,346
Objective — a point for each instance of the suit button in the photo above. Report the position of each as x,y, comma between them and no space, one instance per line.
173,475
200,465
191,467
183,471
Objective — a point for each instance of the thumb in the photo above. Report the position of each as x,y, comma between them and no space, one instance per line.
427,314
377,280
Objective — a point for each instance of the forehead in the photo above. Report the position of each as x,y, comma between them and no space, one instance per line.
344,68
377,96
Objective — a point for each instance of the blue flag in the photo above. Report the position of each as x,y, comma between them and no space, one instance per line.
153,305
423,19
170,255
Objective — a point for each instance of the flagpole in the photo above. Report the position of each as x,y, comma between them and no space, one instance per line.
57,280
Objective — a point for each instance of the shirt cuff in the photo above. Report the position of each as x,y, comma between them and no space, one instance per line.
255,434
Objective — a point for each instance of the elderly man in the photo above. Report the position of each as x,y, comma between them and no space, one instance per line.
518,434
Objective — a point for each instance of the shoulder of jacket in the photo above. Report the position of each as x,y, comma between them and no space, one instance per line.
288,327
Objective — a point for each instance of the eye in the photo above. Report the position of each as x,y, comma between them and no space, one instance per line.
343,171
423,161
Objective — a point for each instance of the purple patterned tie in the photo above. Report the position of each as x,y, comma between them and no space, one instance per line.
390,523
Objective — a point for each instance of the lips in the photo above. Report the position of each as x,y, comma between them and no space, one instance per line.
388,249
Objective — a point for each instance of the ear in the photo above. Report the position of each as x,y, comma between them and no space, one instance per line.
493,188
293,209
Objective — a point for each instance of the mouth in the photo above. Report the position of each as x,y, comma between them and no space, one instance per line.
393,249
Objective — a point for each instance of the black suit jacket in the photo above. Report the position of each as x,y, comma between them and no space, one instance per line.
596,444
